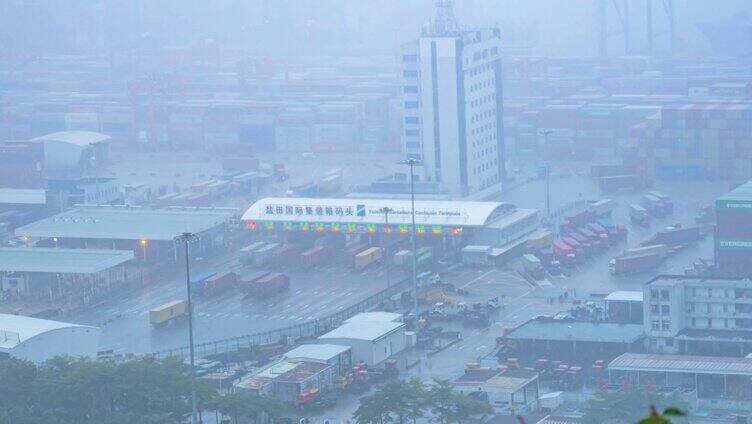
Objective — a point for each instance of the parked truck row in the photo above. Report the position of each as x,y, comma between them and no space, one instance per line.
651,253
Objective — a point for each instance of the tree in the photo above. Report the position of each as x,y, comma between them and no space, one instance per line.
249,406
450,406
624,407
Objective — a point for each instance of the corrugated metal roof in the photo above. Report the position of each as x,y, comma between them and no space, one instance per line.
123,223
60,261
23,196
682,363
376,316
364,330
317,352
78,138
16,329
367,211
565,330
625,296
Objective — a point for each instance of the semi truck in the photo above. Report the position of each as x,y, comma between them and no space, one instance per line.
285,254
634,263
668,204
268,285
677,237
219,283
563,252
659,249
263,255
367,257
619,182
639,215
654,205
602,208
170,311
540,239
533,266
246,253
313,256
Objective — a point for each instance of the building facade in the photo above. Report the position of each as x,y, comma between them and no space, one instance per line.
698,316
453,105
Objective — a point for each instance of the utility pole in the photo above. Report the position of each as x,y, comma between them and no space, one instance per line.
386,211
411,162
547,166
186,238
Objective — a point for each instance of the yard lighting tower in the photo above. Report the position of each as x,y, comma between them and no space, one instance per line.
187,238
547,167
386,211
411,162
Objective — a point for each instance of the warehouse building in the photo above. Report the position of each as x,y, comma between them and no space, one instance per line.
75,276
624,307
288,380
710,382
698,316
372,342
73,154
149,233
38,340
574,342
512,390
339,357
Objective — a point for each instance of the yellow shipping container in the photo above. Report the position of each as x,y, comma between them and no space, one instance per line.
168,311
367,257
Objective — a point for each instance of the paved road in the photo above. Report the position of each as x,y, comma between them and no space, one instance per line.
312,294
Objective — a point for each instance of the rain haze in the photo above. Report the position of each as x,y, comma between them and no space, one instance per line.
375,212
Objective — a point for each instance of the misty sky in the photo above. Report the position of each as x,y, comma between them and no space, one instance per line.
294,28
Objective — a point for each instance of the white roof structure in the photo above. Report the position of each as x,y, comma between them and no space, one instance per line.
316,352
125,223
364,330
37,339
78,138
624,296
376,316
23,196
682,363
61,261
367,211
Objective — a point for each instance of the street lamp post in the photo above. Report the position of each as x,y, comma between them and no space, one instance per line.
411,162
545,134
186,238
386,211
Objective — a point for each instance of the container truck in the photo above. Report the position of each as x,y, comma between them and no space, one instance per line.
579,250
367,257
268,285
678,236
263,255
654,205
198,282
246,253
246,283
639,215
165,313
352,250
402,257
619,182
533,266
313,256
593,238
219,283
562,251
601,232
475,255
668,204
661,250
540,239
632,264
285,254
602,208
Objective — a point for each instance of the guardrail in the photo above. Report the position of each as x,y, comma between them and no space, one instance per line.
307,329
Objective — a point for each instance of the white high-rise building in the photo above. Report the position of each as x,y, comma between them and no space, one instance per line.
453,105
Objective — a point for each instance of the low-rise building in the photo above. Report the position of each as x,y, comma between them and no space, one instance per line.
704,382
339,357
287,379
624,307
698,315
514,390
38,340
372,342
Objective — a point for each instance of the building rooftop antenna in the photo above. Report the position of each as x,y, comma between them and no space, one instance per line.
443,22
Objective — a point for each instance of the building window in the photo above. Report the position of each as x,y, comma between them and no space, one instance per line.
412,145
665,310
669,342
710,292
654,294
694,322
410,58
653,342
664,294
410,89
410,74
411,105
411,120
726,323
412,132
725,307
665,325
655,325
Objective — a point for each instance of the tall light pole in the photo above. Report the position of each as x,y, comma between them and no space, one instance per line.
386,211
186,238
545,134
411,162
